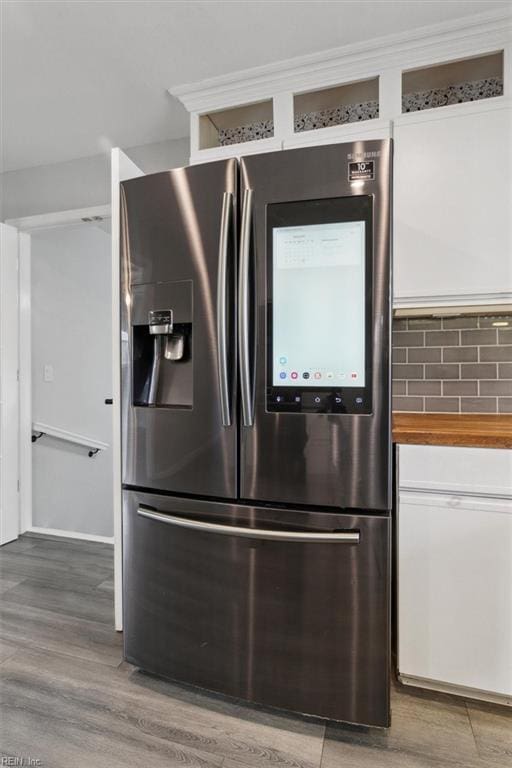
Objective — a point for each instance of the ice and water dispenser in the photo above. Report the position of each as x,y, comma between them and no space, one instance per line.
162,344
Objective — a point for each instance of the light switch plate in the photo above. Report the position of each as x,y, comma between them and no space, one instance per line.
48,372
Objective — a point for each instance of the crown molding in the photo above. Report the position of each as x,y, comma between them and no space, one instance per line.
433,43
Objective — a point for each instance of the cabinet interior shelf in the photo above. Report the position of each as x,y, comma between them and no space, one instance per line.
454,82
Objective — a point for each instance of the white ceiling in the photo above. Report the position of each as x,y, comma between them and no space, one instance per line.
80,77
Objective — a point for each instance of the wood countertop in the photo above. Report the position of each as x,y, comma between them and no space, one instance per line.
463,429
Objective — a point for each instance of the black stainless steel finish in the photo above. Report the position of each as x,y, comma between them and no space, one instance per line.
244,311
289,609
223,304
256,539
180,432
317,458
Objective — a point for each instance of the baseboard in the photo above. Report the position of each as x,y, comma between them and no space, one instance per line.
456,690
57,533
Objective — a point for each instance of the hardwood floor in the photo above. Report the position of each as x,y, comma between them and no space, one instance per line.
68,699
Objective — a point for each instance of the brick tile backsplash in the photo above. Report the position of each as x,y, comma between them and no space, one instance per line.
481,337
460,355
478,404
424,324
497,353
448,371
424,355
423,387
453,364
442,338
442,404
496,388
479,371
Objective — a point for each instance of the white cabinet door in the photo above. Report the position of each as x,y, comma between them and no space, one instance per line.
452,203
455,591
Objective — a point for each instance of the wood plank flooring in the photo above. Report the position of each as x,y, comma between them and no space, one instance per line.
68,699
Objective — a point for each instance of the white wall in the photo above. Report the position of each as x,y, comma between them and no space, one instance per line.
71,331
79,183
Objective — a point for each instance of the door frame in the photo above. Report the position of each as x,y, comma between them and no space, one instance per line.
122,168
26,226
9,374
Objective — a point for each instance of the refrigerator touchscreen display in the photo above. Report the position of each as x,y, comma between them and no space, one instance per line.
318,305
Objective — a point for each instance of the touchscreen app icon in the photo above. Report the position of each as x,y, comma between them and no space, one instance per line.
330,375
305,375
318,375
294,374
282,375
353,375
283,360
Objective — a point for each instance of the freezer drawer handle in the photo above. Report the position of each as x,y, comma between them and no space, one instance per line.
244,310
338,537
222,309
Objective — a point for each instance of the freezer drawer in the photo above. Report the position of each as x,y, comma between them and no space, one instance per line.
285,608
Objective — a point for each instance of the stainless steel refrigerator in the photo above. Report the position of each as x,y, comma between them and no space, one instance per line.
256,428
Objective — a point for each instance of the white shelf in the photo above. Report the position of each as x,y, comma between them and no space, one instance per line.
69,437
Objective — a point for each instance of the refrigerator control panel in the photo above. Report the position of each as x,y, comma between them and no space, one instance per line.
283,400
319,305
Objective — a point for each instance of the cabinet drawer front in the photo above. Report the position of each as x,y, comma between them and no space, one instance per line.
271,617
456,470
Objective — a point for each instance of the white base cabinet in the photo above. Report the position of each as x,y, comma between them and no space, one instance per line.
455,572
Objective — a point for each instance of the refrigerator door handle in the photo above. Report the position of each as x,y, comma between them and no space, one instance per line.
309,537
222,309
244,310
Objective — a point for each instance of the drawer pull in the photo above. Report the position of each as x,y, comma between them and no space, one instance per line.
339,537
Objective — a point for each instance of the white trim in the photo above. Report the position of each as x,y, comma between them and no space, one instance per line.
9,384
71,535
122,168
456,690
69,437
453,110
435,43
451,300
25,381
447,490
468,309
375,128
236,150
59,218
447,501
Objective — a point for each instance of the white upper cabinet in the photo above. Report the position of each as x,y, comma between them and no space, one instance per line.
452,203
453,185
444,94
